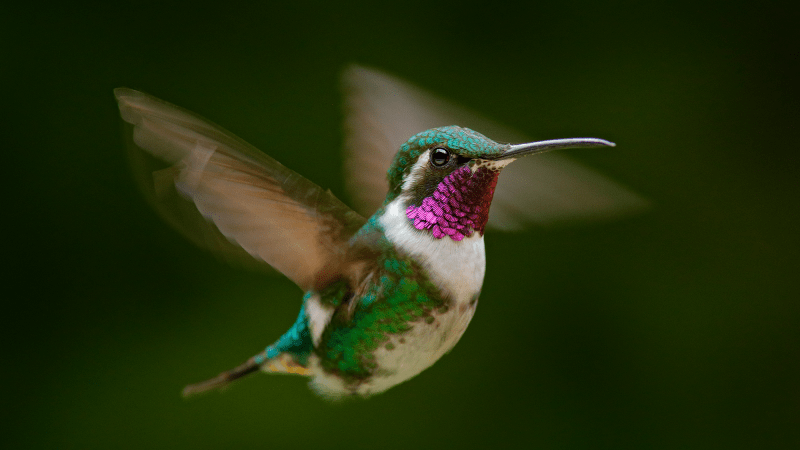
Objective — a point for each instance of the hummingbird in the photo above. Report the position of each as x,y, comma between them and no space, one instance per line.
386,293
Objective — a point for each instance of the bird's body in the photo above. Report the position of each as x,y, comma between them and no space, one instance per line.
396,322
385,297
411,306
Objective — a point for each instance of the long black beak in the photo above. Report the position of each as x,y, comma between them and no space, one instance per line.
520,150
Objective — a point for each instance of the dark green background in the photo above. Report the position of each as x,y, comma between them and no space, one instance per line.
677,328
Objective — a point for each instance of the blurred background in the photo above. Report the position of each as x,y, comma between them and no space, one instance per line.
676,328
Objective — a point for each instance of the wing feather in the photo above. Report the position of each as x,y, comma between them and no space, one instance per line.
228,197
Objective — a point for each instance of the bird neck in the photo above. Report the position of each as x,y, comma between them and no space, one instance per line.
456,266
457,207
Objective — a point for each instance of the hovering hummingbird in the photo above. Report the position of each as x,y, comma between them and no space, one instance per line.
385,297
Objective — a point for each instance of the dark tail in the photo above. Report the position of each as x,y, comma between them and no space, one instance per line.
222,379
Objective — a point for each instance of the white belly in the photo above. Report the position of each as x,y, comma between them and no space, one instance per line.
417,349
403,356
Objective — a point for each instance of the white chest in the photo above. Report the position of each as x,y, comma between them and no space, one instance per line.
458,267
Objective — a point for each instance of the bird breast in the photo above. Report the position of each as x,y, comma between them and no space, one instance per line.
456,267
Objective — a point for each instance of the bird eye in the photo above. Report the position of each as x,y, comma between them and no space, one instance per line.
439,157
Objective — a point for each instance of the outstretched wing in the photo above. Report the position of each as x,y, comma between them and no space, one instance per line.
229,197
382,112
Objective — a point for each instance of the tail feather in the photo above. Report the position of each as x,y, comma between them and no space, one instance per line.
222,379
282,363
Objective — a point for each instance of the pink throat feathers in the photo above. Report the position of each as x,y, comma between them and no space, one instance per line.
459,206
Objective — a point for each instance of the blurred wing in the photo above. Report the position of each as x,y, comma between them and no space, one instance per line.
382,112
228,197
